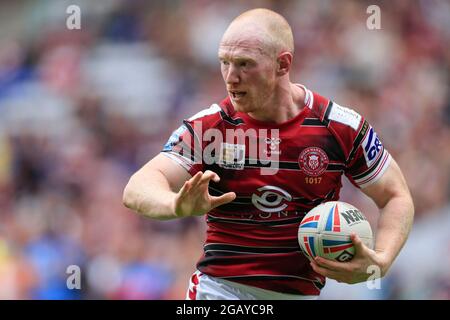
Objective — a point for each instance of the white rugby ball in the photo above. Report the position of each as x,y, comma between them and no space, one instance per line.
325,231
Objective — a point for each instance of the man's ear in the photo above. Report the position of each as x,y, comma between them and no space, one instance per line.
284,62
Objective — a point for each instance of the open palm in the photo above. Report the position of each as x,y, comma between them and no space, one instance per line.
193,199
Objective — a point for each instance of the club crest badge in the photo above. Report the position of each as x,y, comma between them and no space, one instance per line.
313,161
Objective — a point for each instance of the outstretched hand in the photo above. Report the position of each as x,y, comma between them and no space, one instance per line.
193,199
355,270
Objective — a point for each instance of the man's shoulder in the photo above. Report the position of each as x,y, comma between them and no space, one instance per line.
334,114
216,114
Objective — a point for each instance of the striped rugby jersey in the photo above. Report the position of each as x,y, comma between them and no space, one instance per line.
253,239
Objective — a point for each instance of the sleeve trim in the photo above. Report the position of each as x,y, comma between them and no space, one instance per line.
182,161
376,174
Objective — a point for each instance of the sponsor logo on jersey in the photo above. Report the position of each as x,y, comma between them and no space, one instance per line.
345,116
371,146
271,199
313,161
274,146
232,156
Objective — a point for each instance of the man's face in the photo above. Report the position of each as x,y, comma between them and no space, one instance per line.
249,73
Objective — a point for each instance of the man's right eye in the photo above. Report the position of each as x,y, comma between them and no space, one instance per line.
225,63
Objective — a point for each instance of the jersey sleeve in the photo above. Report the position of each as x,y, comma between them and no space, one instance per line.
366,157
185,146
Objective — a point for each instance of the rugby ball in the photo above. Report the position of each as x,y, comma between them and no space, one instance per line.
325,231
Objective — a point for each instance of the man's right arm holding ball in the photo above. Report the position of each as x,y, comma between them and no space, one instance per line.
392,196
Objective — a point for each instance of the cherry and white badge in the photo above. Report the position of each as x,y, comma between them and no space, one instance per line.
313,161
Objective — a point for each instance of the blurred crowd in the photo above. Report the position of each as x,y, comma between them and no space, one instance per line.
81,110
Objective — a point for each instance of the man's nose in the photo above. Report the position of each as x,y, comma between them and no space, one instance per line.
232,75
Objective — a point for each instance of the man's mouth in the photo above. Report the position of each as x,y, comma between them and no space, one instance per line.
237,94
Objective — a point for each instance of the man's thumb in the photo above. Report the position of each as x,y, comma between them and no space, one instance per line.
223,199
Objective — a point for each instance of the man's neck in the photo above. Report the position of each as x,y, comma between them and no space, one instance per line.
288,103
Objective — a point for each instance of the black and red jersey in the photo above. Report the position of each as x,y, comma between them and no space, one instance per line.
278,172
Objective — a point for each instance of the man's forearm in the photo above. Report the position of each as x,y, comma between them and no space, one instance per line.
150,196
394,226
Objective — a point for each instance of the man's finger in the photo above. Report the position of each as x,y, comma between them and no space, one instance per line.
223,199
323,271
209,175
357,242
196,178
184,189
331,265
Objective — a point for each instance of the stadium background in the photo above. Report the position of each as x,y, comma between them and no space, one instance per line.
81,110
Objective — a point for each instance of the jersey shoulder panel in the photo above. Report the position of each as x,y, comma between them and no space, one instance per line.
343,115
186,144
215,115
347,126
366,159
208,117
